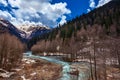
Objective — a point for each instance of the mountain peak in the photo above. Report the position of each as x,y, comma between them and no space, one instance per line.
24,31
30,27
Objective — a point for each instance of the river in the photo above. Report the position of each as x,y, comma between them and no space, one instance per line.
83,67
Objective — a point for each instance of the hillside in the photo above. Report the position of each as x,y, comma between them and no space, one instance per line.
103,21
7,27
25,33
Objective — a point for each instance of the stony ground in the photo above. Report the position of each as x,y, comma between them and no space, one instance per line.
112,72
33,69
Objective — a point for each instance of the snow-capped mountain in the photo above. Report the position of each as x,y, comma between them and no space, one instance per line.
24,32
33,30
7,27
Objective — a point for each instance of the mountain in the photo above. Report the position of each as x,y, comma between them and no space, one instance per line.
106,17
25,32
33,30
39,31
7,27
100,23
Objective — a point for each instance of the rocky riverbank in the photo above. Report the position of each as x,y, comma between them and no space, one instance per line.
33,69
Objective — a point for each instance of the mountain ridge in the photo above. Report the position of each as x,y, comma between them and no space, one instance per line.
7,27
24,35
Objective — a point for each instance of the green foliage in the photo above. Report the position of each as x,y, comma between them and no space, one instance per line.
63,34
70,31
52,35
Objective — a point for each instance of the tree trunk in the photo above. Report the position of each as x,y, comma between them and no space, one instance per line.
91,70
95,69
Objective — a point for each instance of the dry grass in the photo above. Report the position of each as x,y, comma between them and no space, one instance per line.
112,73
38,70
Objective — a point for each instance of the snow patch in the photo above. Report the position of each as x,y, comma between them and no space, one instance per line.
28,61
32,74
4,24
5,74
23,77
16,69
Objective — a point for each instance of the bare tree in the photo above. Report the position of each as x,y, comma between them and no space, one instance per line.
10,51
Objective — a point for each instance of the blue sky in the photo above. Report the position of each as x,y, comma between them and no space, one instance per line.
77,7
45,12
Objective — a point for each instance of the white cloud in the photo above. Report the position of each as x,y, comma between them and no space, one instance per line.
63,20
102,2
3,2
92,4
14,3
88,10
37,11
5,14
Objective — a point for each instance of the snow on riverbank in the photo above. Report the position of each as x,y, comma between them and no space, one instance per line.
4,73
32,69
28,60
